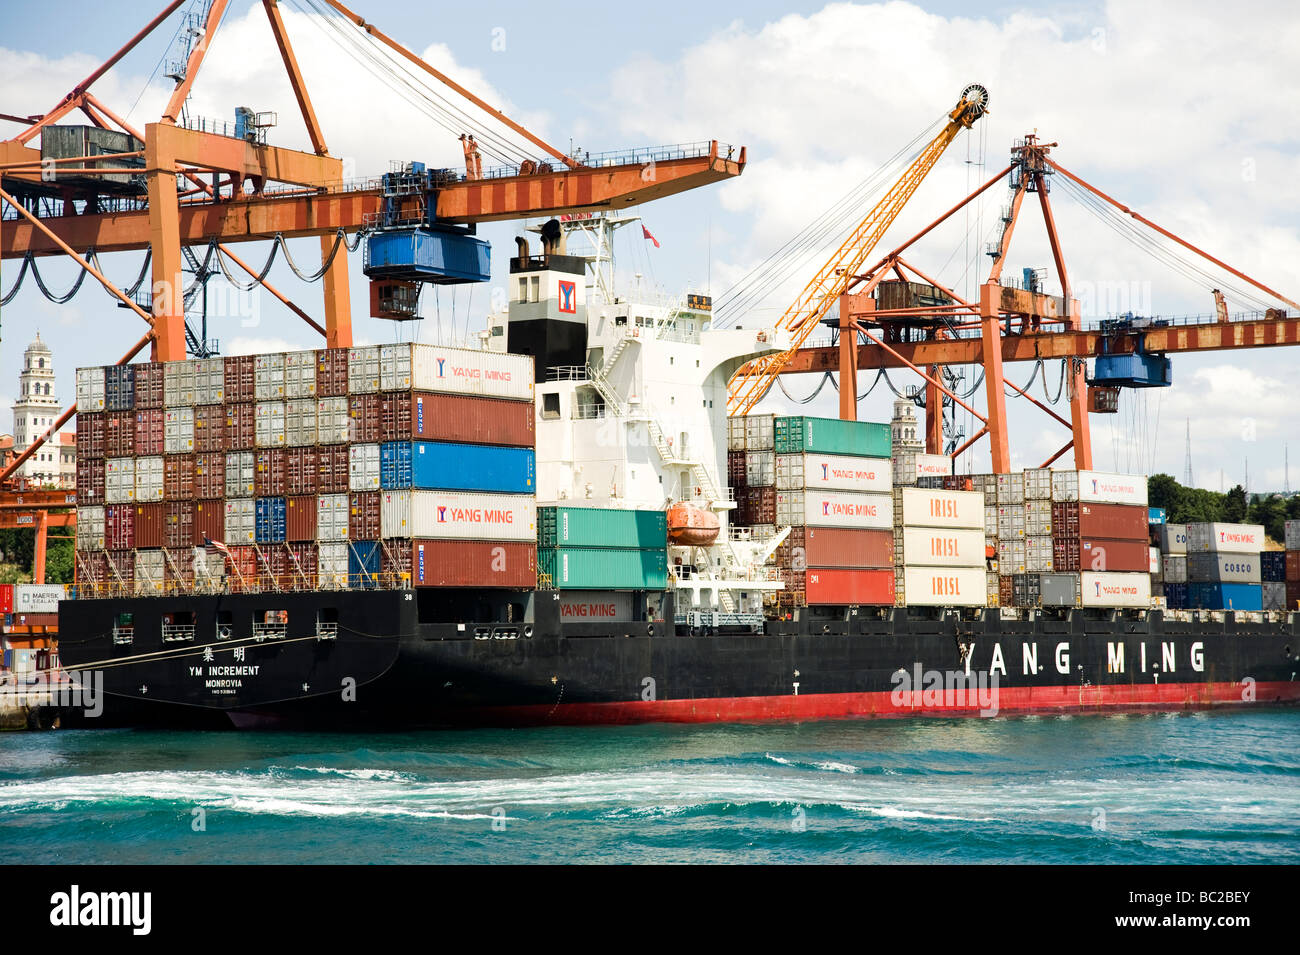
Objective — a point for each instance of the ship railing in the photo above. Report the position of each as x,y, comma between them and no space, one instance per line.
269,631
327,630
177,632
567,373
123,635
587,412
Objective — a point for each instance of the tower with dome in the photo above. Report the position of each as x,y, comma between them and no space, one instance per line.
35,410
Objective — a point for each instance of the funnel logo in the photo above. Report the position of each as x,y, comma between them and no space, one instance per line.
442,515
825,475
826,508
568,297
441,362
1097,584
1095,489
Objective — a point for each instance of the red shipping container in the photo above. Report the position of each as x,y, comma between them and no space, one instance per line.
119,526
209,475
1293,565
851,548
736,469
332,469
428,563
364,419
150,525
210,428
269,473
178,477
90,480
178,570
1293,595
757,505
837,586
1121,556
241,569
241,426
209,521
301,470
462,418
149,385
331,372
119,435
90,436
119,572
7,598
1113,521
1065,521
1065,554
363,515
273,568
240,385
149,432
179,524
300,518
1006,591
303,567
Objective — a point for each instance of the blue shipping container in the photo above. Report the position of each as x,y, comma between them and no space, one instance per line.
1203,596
1176,596
1272,565
442,466
363,564
1155,515
270,526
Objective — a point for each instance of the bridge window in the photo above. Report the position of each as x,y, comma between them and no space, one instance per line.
551,405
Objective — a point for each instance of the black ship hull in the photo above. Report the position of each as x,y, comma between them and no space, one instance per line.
371,659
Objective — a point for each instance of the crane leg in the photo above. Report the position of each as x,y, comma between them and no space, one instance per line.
338,308
165,241
848,364
995,391
38,555
933,414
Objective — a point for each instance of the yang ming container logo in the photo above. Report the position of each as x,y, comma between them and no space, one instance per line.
568,297
826,508
442,515
1094,486
1097,584
441,362
825,474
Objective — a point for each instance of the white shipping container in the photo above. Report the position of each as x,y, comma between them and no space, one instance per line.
910,465
178,384
458,515
1011,556
332,420
466,372
1273,594
1099,487
241,517
149,571
178,430
942,587
268,377
119,480
363,370
1173,538
90,528
363,467
940,547
1174,568
990,520
1292,535
240,473
818,508
332,512
209,571
1038,554
933,507
1011,488
269,430
38,598
1231,538
300,374
90,390
736,433
833,472
760,432
148,480
300,422
1109,589
1038,517
332,566
760,468
1154,566
1038,484
395,367
209,381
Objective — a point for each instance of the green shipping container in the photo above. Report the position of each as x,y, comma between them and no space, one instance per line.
603,568
832,436
601,527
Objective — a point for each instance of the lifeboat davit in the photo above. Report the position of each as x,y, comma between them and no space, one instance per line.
691,526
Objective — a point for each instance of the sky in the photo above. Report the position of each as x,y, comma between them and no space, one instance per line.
1193,124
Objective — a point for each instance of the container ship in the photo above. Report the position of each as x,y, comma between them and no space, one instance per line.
564,526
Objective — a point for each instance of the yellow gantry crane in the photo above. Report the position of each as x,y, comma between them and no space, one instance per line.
752,381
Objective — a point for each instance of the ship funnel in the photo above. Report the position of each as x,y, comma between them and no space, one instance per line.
553,240
521,243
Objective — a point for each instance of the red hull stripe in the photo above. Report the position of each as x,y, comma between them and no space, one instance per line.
809,706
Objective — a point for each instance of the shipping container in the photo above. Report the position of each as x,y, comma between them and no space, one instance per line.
178,477
241,427
1154,566
178,430
736,433
90,390
1273,594
1293,565
432,563
941,547
148,385
1038,484
119,480
270,424
119,435
760,432
209,428
991,520
431,465
819,508
333,469
1110,589
241,566
178,523
178,570
90,531
1121,556
333,518
1231,538
1225,568
1106,521
756,505
7,597
365,418
832,472
363,470
1156,515
270,473
395,367
1173,568
1039,556
38,598
118,529
466,371
941,587
363,370
148,479
1272,565
1290,531
268,378
1241,597
209,522
119,572
178,384
241,521
363,521
303,564
1099,487
331,372
908,466
332,565
333,424
1059,590
832,436
923,507
830,586
300,375
1065,554
209,381
90,480
300,422
836,547
149,571
736,468
604,568
90,436
760,469
300,518
209,570
1173,538
453,515
240,379
302,471
241,474
270,520
363,565
600,527
1011,556
1011,489
150,525
209,475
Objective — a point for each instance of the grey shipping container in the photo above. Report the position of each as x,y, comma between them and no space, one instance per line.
1224,568
1059,590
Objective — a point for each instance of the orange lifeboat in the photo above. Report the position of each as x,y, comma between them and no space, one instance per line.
691,526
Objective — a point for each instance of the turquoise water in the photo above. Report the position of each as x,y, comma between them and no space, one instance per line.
1120,789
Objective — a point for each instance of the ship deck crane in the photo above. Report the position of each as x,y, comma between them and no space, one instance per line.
753,380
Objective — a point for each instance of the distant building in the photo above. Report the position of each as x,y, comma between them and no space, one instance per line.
35,412
904,427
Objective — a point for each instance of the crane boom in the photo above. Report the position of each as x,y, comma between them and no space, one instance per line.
751,382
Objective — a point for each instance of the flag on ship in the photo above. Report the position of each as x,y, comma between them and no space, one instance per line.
646,234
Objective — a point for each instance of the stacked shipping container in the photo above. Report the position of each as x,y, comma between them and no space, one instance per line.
1223,566
939,548
588,548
